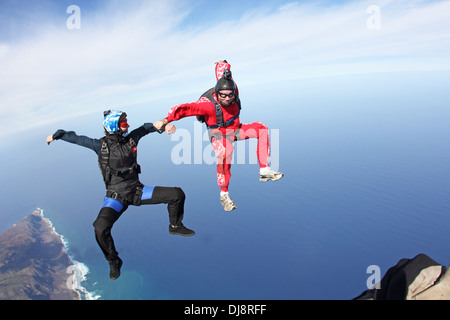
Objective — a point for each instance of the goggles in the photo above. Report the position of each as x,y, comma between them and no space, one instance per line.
224,95
124,124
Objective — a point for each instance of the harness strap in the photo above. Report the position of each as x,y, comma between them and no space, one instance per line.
233,136
112,203
147,192
134,167
104,161
226,124
219,113
105,168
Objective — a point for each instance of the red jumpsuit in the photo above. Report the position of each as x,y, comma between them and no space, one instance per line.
224,137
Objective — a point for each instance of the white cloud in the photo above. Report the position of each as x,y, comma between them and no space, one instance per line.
127,55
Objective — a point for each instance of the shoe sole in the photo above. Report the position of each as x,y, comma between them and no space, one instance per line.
116,277
265,179
230,209
182,234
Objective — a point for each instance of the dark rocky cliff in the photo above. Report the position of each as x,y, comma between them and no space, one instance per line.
33,263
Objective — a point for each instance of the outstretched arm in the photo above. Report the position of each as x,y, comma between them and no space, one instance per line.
202,107
145,129
72,137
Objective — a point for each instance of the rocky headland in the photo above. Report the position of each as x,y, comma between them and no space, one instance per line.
33,263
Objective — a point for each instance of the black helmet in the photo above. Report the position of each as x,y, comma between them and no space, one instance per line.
225,83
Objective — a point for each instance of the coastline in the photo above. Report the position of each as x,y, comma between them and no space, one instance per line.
78,269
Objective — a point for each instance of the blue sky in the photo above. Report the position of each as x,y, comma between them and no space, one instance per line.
140,51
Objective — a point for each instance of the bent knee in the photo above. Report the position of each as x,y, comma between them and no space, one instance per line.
179,193
261,126
101,225
105,219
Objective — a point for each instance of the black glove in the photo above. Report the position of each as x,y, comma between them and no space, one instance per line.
59,134
162,129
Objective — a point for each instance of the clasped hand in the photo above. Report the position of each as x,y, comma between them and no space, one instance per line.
170,128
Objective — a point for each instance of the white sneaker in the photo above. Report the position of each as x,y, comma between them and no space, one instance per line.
227,203
267,174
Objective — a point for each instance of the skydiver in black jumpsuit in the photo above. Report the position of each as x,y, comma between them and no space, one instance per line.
117,160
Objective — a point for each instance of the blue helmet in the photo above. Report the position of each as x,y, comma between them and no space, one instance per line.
111,120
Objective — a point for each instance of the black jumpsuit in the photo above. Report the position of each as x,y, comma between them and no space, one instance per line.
125,187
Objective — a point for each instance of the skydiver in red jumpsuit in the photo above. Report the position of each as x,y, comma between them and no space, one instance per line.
220,110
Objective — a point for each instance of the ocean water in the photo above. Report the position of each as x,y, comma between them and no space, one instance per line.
366,160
